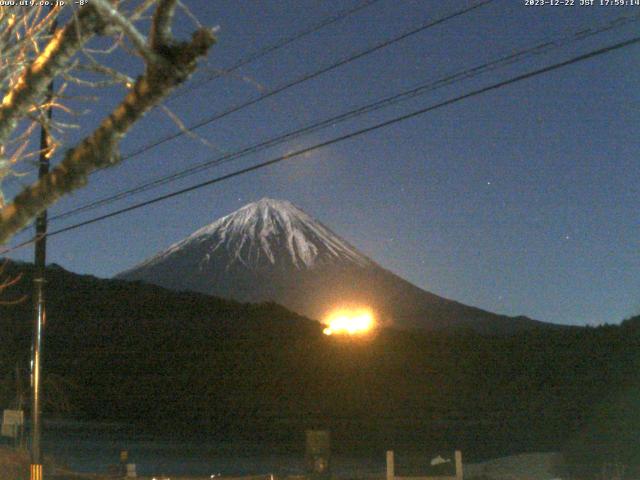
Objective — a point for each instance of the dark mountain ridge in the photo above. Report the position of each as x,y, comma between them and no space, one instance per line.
271,250
191,363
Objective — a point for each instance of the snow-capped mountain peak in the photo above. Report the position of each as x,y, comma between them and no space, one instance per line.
271,250
265,233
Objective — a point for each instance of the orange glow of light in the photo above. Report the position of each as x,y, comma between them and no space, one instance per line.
349,321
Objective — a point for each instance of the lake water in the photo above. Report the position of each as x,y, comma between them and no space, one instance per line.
88,447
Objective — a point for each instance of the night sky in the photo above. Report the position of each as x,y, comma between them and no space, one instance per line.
523,200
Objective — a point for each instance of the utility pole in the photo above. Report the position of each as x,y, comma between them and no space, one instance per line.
39,318
39,311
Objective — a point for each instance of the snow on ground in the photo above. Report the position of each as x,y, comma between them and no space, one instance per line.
526,466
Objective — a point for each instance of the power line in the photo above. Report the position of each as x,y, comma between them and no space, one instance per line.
325,22
329,20
304,78
307,77
540,48
393,121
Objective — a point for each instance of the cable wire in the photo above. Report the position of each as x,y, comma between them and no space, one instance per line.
540,48
306,77
266,50
357,133
325,22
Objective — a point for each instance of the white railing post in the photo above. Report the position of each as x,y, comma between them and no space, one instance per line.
390,465
459,473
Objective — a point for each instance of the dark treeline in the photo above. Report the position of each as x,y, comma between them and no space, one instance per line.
192,364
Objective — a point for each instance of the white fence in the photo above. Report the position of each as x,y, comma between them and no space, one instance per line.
391,469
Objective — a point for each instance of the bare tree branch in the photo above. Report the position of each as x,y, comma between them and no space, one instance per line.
100,149
161,36
6,283
32,85
37,60
141,9
113,16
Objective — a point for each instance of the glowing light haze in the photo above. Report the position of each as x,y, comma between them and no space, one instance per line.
521,201
350,321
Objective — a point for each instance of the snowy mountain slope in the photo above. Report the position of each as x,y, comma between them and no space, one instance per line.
262,234
271,250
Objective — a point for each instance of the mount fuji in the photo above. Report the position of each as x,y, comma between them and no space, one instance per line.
271,250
